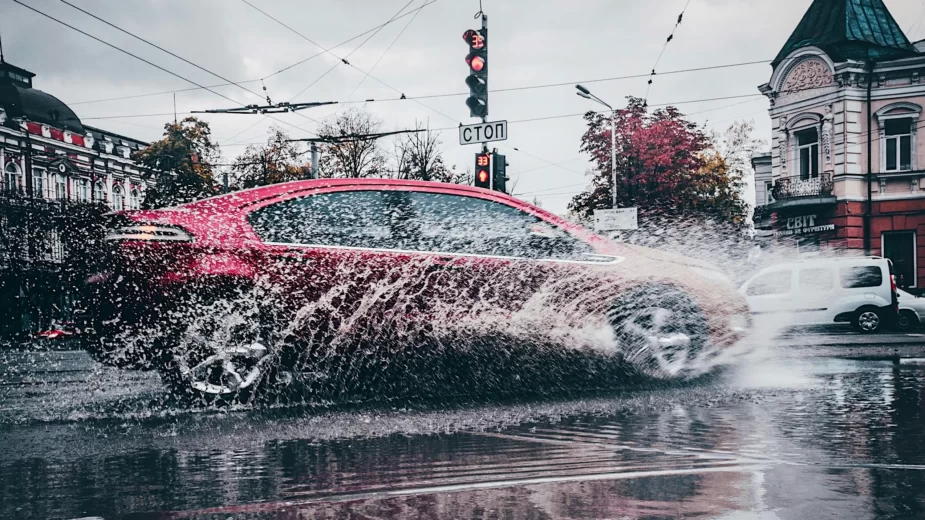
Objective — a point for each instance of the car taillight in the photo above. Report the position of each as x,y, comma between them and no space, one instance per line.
153,233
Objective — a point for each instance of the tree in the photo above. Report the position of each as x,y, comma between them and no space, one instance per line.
277,161
665,165
180,164
355,158
418,156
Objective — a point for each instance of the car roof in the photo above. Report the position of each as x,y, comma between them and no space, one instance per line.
246,197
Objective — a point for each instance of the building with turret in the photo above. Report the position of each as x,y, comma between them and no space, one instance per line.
847,166
54,170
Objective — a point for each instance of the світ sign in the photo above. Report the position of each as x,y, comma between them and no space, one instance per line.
483,133
802,225
615,219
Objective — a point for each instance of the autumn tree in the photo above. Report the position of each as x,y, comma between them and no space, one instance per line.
419,156
665,165
352,157
277,161
180,164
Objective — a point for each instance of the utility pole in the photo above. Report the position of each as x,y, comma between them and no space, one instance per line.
315,171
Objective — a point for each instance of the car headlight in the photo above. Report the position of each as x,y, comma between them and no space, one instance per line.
711,274
740,322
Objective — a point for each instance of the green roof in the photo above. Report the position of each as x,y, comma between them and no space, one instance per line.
849,30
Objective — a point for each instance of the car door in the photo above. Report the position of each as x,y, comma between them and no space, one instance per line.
488,258
814,299
322,255
771,293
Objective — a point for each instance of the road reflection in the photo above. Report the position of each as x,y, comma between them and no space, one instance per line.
850,443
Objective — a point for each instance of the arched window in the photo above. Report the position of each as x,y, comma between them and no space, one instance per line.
133,201
83,190
38,183
99,192
12,179
118,198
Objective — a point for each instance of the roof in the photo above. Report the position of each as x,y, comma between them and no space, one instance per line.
100,134
38,106
849,30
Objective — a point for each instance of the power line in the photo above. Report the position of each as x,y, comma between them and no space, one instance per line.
662,53
139,57
405,28
354,66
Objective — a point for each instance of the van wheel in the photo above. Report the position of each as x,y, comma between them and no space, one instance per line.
906,321
867,320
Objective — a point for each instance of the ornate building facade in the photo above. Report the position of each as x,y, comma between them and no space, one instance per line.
847,168
55,173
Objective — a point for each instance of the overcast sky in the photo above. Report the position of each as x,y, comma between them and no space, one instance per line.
531,42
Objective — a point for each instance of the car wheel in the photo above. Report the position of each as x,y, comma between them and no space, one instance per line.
906,321
867,320
220,352
660,330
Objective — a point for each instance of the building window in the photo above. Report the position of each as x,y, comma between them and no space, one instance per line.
83,190
808,153
898,144
12,178
60,187
38,183
99,192
768,186
118,198
133,201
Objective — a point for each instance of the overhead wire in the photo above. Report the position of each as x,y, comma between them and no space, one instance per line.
366,75
662,53
137,57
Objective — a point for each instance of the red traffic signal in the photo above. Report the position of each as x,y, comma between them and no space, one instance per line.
476,62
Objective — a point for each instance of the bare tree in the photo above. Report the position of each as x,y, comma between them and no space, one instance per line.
419,157
354,158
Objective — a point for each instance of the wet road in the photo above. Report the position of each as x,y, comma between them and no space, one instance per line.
787,432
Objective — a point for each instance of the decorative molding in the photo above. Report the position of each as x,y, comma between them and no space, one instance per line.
826,138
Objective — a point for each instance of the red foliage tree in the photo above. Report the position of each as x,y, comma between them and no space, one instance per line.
665,166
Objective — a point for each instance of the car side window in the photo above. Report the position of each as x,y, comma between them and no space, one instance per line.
348,218
470,225
776,282
817,279
864,276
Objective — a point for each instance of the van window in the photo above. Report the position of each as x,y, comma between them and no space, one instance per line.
777,282
819,279
857,277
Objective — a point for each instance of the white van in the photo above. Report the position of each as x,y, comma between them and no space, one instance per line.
859,290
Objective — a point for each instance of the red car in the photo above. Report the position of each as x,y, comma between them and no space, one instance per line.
346,285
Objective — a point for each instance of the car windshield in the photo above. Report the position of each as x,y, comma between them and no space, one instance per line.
465,259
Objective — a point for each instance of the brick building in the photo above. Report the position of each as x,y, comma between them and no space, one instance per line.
847,168
55,171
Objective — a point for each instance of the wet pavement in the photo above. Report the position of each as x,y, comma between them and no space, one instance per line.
787,432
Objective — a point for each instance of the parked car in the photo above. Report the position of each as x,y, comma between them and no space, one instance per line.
319,278
911,311
859,290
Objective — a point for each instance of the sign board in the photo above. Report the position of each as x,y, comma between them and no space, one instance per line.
483,133
802,225
615,219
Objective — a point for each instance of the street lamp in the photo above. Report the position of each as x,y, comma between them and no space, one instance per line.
585,93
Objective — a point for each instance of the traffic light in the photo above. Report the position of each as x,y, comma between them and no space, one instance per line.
499,172
483,170
477,59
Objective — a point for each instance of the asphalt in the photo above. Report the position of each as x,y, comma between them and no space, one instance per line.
811,424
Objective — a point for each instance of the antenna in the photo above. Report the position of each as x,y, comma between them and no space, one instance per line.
1,46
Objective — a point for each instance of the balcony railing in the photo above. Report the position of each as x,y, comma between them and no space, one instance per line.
797,187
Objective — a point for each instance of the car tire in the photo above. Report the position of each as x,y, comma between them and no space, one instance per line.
660,330
867,320
220,352
907,321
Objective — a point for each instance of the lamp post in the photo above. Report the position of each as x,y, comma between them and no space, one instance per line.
585,93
